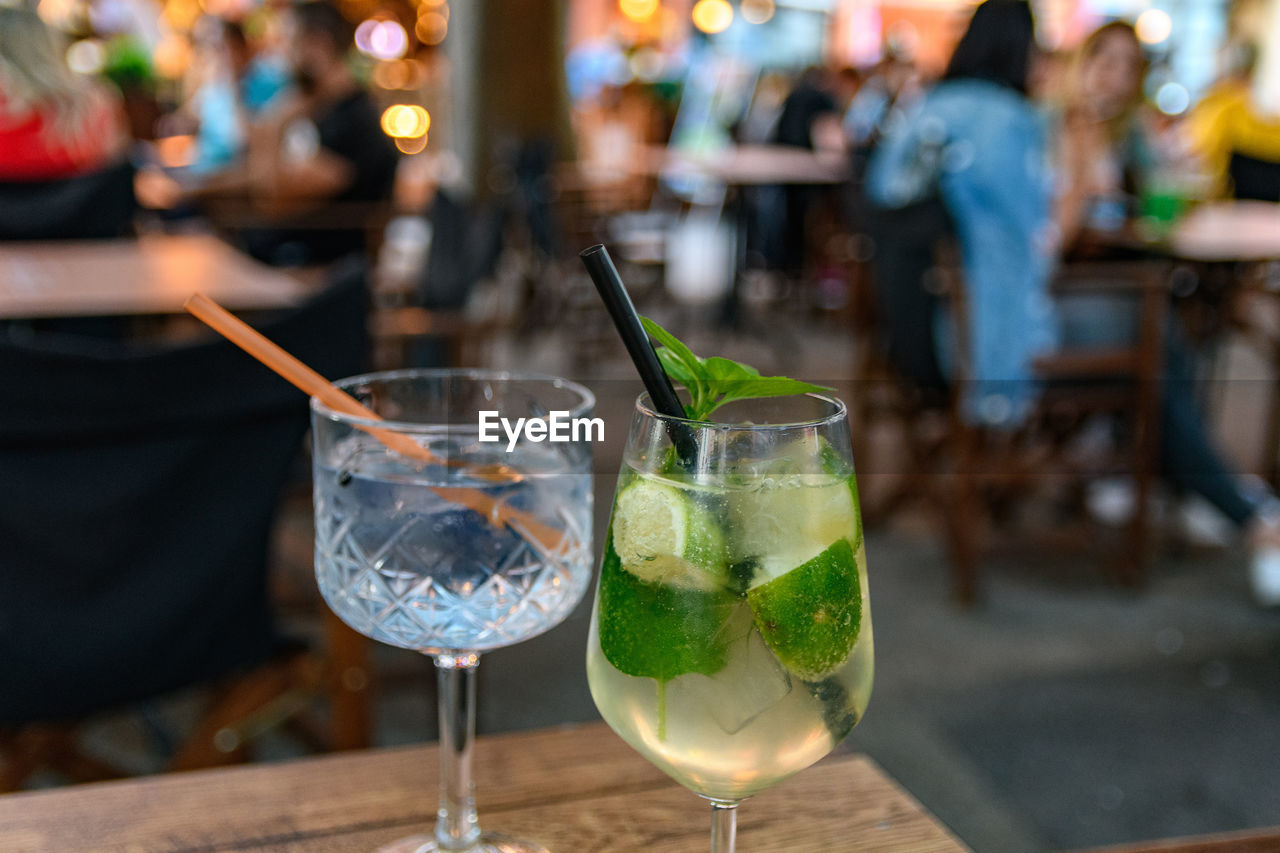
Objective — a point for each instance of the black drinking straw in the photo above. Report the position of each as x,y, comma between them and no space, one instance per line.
614,293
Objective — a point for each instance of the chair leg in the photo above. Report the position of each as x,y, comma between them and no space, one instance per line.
960,517
349,685
53,746
1146,428
245,708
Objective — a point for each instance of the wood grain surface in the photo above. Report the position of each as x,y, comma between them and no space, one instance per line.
576,788
153,274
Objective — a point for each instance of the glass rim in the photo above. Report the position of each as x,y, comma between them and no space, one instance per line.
840,411
586,402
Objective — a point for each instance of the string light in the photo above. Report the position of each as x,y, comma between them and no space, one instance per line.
405,121
757,11
712,16
638,10
1153,26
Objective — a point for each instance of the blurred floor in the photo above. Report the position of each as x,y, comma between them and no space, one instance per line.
1060,712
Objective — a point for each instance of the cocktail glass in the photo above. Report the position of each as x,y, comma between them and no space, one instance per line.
730,639
472,547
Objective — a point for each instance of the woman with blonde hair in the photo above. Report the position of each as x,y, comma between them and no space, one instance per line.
53,122
1101,149
976,143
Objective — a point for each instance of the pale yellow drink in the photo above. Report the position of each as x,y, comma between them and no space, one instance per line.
731,639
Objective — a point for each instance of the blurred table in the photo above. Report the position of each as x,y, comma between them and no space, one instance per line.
1228,231
153,274
571,788
752,165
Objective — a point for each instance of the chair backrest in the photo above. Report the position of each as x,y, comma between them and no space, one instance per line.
1254,179
906,241
90,206
139,487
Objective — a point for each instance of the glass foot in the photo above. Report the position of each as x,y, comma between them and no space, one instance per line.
490,842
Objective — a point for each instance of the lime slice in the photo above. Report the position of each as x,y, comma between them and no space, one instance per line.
780,524
658,630
810,616
663,536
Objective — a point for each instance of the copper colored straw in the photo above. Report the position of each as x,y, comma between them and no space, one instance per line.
290,368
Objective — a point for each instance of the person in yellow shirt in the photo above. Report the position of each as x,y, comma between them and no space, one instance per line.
1225,122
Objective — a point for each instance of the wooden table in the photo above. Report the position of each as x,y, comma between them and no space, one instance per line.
1249,841
1228,231
750,165
576,788
153,274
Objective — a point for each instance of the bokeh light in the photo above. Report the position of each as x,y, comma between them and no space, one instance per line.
405,121
56,13
86,56
712,16
110,16
416,145
1173,99
757,11
1153,26
401,74
382,39
432,27
638,10
364,32
171,57
647,64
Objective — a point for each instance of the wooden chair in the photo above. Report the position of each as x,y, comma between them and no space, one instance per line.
898,385
141,484
1120,381
966,473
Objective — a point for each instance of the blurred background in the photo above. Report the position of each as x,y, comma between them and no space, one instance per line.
1072,537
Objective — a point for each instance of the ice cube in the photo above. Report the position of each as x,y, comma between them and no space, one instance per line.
751,683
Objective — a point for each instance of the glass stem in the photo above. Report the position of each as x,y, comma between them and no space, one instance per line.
724,825
457,827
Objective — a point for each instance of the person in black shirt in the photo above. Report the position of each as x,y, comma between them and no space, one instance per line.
324,146
315,166
810,102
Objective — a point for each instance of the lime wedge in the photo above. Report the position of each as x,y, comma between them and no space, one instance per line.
660,631
810,616
783,523
663,536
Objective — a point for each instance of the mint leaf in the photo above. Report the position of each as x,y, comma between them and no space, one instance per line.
765,386
714,381
678,349
725,370
675,368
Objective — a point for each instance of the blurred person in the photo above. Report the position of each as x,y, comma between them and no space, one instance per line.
54,123
1101,149
845,84
1227,121
325,143
809,119
894,81
239,85
810,102
319,147
976,143
761,118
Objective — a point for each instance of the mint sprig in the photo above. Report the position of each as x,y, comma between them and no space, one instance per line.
714,381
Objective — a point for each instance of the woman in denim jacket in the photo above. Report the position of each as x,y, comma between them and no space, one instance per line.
977,142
